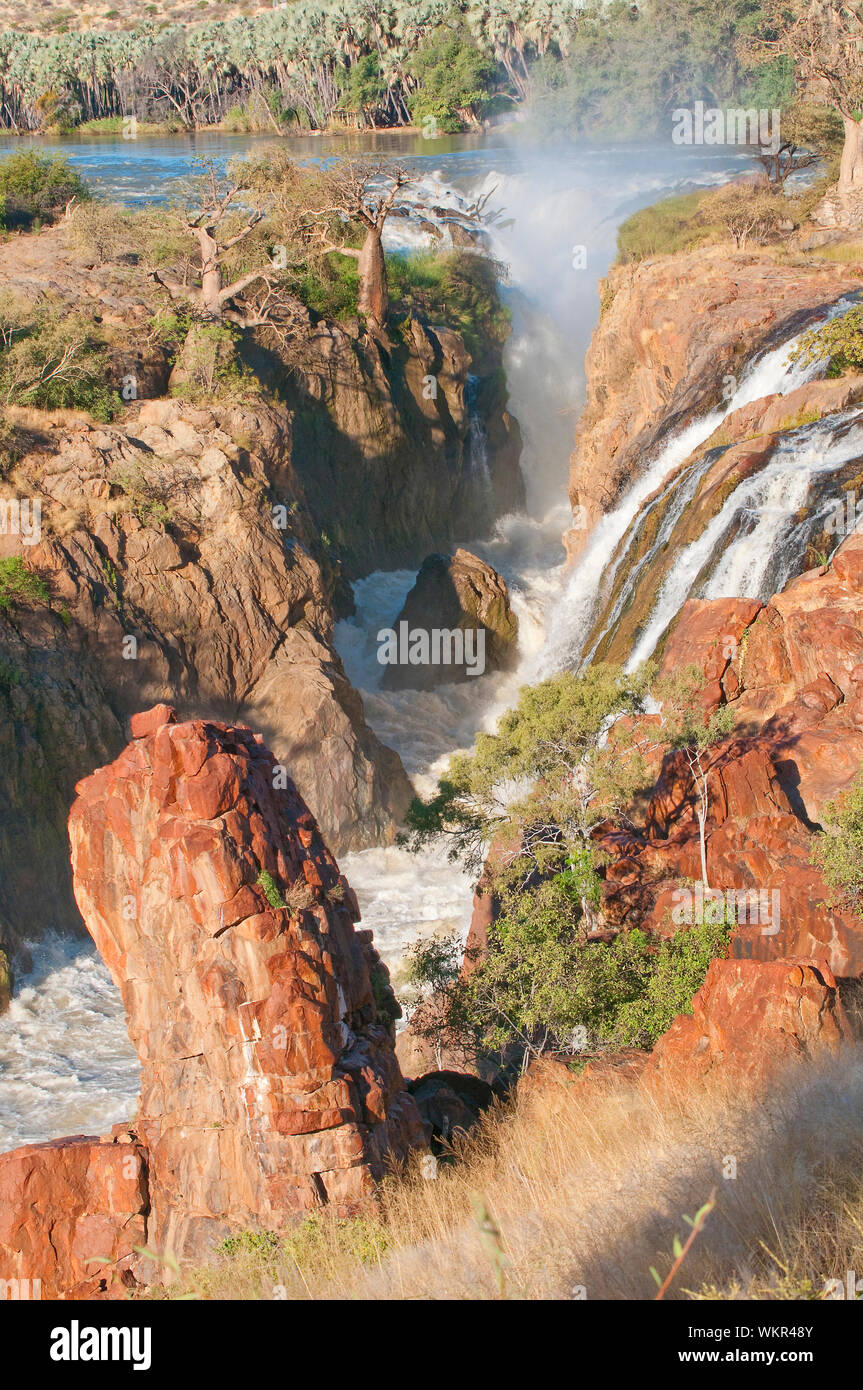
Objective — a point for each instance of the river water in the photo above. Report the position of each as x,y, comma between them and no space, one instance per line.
66,1065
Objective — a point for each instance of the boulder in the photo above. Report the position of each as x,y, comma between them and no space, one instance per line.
748,1020
460,594
449,1101
71,1213
269,1081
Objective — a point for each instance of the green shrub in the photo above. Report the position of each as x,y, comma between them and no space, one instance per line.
35,186
542,986
455,288
838,850
840,341
271,889
18,585
52,360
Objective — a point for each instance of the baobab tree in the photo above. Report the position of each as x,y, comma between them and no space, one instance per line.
218,225
323,209
824,38
360,191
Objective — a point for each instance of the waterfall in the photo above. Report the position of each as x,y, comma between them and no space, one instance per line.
612,537
770,501
66,1064
477,438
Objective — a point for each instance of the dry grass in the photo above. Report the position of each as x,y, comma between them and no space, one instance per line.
588,1192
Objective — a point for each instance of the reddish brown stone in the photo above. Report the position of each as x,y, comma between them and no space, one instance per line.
152,719
71,1213
749,1019
269,1081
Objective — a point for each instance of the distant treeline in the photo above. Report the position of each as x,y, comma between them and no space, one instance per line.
380,63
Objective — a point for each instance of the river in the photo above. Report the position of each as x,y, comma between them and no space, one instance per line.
66,1065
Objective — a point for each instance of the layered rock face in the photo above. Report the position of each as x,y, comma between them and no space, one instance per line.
177,572
456,593
381,439
71,1214
269,1081
675,333
792,672
196,554
750,1019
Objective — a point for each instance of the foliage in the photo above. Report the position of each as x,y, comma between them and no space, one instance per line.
669,226
541,985
453,76
102,231
808,133
456,288
839,341
838,851
20,585
35,186
545,778
745,212
271,889
318,60
53,360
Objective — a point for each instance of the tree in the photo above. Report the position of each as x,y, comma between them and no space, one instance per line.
807,133
364,191
559,763
323,209
824,39
685,728
217,226
744,211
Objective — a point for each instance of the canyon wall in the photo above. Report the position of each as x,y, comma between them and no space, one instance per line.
675,335
199,553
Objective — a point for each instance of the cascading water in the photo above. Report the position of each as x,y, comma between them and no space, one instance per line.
613,536
478,436
65,1061
757,563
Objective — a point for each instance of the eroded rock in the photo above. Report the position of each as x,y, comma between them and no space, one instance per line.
456,593
269,1081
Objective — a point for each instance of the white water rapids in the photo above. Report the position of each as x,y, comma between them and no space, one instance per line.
65,1061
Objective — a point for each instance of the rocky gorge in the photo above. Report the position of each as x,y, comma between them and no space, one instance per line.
191,708
148,526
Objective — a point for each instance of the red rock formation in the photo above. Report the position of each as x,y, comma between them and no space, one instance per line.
674,330
749,1018
791,672
268,1077
71,1213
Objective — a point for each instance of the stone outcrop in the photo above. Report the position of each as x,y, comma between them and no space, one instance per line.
381,438
790,671
177,572
457,592
262,1017
71,1213
675,330
220,538
750,1019
450,1103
